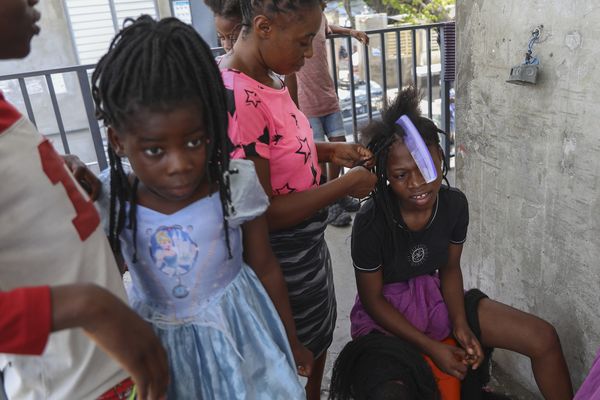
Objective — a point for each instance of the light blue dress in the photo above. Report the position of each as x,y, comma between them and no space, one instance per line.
222,333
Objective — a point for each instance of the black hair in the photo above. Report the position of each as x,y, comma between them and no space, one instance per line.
159,66
229,9
252,8
381,367
379,135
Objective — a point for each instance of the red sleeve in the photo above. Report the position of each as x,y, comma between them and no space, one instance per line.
8,114
25,320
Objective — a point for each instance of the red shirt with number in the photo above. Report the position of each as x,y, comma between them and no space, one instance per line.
50,234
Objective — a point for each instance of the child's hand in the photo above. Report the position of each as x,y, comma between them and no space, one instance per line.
363,182
116,329
132,343
304,359
467,340
349,154
83,175
450,359
360,36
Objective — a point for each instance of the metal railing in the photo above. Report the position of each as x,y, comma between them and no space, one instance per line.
82,76
382,69
382,41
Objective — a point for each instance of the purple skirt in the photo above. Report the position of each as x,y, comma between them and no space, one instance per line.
590,390
419,300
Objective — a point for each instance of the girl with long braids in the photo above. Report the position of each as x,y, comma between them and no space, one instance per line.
189,224
266,127
228,21
407,242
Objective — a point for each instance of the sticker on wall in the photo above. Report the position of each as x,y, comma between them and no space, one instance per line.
182,11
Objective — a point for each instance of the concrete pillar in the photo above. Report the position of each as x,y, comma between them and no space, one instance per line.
527,159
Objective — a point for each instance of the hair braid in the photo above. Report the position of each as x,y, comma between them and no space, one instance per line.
159,66
379,135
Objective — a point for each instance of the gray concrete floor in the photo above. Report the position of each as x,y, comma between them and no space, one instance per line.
338,241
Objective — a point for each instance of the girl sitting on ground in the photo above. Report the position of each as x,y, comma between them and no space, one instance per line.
407,242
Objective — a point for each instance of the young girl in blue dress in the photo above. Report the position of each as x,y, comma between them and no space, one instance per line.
267,128
407,242
189,224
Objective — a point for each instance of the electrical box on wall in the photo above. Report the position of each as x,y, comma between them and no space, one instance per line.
527,73
523,74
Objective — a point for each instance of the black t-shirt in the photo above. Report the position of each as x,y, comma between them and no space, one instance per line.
413,253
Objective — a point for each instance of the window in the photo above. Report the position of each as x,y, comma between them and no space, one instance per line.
93,23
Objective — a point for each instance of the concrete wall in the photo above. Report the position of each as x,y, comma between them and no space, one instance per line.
528,159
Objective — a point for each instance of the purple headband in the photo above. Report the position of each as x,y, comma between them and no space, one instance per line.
418,149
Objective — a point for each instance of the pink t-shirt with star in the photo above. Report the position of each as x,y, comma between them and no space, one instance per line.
265,122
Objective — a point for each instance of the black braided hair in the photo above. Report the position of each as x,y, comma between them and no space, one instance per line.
379,135
252,8
229,9
159,66
371,366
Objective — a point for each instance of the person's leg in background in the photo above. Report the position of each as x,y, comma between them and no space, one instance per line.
319,136
337,215
333,125
335,131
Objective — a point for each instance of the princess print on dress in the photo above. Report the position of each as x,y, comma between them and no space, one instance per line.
174,254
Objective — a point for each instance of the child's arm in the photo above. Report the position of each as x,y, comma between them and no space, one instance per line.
451,280
289,210
259,255
29,315
117,330
370,289
358,35
86,178
344,154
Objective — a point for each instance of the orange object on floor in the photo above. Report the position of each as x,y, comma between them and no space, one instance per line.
448,386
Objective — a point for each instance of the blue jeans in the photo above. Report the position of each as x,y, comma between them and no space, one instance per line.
331,125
